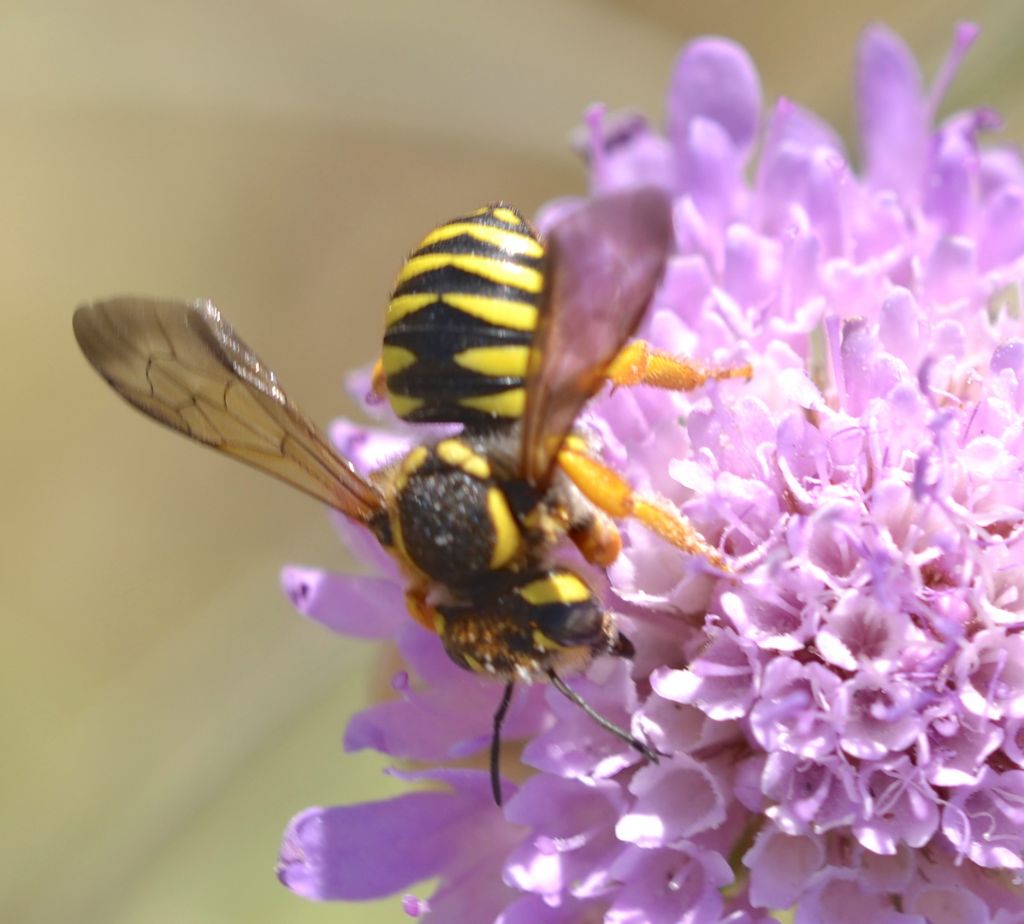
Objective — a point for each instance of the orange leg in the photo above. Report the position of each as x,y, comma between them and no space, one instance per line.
378,381
419,609
610,492
639,364
599,541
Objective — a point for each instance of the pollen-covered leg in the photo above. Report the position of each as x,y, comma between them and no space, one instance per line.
610,492
638,363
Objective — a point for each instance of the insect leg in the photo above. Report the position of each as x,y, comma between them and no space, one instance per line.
499,718
378,381
638,363
598,540
419,609
611,493
559,684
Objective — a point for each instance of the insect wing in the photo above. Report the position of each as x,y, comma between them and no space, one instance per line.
603,263
183,365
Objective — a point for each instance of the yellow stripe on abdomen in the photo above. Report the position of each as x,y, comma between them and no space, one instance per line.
395,358
509,241
497,311
500,272
402,405
494,360
402,305
505,214
509,403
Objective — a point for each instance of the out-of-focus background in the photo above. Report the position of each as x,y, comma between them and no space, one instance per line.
164,712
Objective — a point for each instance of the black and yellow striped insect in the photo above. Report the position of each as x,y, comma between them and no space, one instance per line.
489,327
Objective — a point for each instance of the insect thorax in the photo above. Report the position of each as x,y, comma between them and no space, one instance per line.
452,518
460,512
461,319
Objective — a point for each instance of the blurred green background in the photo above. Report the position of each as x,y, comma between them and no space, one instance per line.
164,711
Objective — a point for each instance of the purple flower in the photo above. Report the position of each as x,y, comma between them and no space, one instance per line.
843,718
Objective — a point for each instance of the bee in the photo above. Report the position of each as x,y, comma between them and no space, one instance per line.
491,328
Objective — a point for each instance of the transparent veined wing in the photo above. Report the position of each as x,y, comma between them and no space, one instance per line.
602,265
182,364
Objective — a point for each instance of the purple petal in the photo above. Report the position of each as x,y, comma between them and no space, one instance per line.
958,749
805,186
986,823
751,265
770,621
839,897
575,746
533,910
950,269
715,79
668,887
357,852
781,867
939,903
865,630
1001,236
363,607
893,873
1013,744
892,111
867,371
949,190
992,676
659,817
903,808
878,716
364,547
568,850
902,326
366,447
581,807
793,125
720,682
624,152
1001,167
794,710
448,718
710,169
411,730
810,796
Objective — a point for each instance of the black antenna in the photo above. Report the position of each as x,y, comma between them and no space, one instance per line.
499,717
559,684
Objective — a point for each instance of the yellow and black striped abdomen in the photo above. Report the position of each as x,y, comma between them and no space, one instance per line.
461,319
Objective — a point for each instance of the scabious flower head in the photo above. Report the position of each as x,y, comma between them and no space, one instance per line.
842,718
